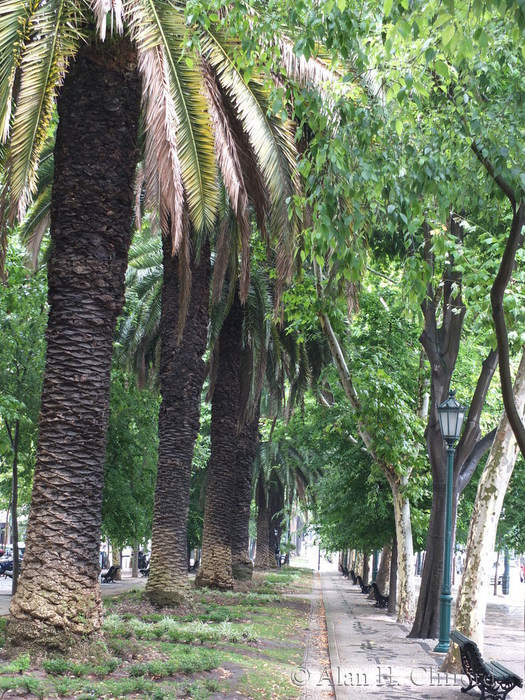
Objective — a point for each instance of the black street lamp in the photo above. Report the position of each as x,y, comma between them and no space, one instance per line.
451,414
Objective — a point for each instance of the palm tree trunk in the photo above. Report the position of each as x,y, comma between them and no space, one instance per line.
216,567
182,373
58,597
262,553
247,443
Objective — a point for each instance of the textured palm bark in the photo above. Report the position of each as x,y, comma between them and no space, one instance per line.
471,603
242,565
182,372
262,553
58,596
216,565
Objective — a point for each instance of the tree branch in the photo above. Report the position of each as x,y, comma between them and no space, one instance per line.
500,182
9,435
497,293
469,465
472,431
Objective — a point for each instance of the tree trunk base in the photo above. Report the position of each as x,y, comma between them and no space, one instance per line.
242,569
54,627
166,598
452,662
213,580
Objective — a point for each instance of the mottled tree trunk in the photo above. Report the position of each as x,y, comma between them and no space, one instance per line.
392,587
216,566
262,553
247,442
135,561
275,507
383,572
182,372
473,592
405,551
58,597
366,567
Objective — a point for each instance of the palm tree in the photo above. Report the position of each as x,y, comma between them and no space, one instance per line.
216,565
238,366
182,372
58,599
58,596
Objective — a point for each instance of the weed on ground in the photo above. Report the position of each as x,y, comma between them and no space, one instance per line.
216,646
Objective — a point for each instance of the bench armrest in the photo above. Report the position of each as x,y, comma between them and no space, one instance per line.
459,638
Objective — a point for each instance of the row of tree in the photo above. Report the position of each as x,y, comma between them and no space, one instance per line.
380,137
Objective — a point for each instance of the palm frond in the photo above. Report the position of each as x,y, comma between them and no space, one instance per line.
14,23
35,223
270,138
178,129
101,8
138,338
228,157
222,258
55,34
307,72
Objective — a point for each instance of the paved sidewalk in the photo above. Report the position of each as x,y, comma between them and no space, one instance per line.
371,656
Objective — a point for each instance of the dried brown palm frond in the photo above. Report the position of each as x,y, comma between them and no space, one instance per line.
101,9
223,248
180,163
311,71
227,151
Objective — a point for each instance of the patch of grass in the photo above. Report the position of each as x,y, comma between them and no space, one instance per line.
258,634
3,623
28,684
183,659
265,679
21,663
62,666
151,617
169,628
201,690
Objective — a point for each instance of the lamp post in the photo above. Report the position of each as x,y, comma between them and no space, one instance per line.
451,414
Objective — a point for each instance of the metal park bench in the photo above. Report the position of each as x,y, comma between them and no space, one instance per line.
353,577
109,576
381,600
493,679
365,587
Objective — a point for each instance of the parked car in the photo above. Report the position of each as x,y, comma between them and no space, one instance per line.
8,551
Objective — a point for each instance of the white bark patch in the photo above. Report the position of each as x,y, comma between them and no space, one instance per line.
474,589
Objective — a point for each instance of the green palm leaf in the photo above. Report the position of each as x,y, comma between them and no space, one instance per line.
54,40
14,22
271,139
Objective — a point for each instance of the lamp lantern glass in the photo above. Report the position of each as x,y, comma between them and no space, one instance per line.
451,414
